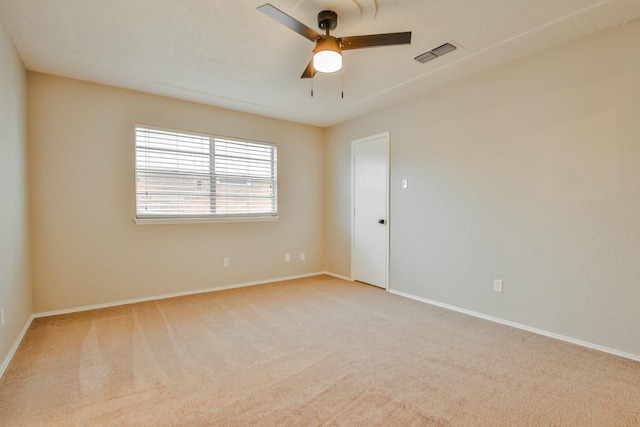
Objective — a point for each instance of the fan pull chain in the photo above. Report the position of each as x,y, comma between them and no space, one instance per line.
312,86
342,81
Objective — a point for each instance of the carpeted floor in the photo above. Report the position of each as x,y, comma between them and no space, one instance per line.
317,351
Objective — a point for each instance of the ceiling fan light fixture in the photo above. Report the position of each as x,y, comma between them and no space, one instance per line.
327,56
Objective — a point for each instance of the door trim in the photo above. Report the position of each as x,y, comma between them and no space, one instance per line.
352,213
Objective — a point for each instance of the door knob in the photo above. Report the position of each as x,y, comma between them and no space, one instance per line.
381,221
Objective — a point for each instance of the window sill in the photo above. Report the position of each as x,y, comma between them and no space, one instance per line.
155,221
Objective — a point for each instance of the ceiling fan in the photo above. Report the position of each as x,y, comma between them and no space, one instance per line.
327,55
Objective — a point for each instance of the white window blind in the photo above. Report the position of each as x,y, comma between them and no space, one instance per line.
183,175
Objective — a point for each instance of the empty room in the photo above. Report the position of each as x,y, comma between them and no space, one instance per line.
320,212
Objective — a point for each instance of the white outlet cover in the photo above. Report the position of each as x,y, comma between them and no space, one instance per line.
303,256
405,183
497,285
287,257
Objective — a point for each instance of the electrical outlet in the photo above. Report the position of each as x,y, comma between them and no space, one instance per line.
497,285
302,256
287,257
2,316
226,262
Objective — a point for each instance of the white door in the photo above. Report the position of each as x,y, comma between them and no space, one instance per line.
370,215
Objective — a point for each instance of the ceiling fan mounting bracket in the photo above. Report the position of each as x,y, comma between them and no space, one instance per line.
327,20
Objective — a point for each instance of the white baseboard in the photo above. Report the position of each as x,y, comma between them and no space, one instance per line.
12,352
520,326
338,276
172,295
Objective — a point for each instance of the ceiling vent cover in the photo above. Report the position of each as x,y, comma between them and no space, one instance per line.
436,52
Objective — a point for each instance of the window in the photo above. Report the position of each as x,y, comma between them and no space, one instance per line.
193,176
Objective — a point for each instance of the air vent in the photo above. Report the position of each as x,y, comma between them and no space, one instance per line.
436,52
426,57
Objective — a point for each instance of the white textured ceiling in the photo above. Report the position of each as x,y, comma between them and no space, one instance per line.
226,53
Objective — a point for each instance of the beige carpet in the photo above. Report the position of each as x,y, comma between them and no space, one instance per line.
316,351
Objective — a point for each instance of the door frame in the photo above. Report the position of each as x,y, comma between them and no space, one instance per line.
387,196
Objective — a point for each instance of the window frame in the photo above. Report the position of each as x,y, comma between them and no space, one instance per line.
202,219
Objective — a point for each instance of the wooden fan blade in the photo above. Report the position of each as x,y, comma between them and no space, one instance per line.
289,22
373,40
309,72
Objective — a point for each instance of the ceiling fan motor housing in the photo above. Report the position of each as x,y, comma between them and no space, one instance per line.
327,20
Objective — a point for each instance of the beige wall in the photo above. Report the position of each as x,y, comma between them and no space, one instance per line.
87,249
529,173
15,281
